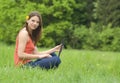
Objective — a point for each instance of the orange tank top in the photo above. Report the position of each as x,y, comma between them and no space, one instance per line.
29,48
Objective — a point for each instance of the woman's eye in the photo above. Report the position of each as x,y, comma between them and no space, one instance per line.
38,22
33,20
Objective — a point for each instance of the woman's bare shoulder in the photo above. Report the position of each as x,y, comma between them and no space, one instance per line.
23,33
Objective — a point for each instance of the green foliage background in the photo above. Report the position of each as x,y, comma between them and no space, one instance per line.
85,24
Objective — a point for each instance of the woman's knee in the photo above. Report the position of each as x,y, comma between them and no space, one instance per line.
57,60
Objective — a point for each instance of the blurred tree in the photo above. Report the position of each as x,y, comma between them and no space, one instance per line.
83,12
108,11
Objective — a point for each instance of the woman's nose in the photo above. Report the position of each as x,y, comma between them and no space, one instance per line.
35,23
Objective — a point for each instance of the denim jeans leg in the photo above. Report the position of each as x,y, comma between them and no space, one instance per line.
48,63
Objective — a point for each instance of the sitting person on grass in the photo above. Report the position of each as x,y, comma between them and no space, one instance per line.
26,53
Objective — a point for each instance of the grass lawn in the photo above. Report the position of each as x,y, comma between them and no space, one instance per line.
78,66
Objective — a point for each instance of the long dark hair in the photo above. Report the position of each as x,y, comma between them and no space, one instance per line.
36,34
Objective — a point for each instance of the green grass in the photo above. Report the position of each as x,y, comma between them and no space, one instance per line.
78,66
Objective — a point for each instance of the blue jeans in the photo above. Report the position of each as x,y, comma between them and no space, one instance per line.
45,63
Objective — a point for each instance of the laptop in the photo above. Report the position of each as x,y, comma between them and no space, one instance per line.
62,42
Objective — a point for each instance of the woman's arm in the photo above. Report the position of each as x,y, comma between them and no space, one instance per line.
55,49
23,38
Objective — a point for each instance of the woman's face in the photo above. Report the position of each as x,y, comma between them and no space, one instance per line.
33,22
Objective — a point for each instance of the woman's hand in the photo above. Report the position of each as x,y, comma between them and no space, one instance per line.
57,48
47,53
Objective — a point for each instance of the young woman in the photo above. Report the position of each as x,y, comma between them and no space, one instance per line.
26,53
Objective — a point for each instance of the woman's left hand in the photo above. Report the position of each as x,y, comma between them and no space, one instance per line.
57,48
